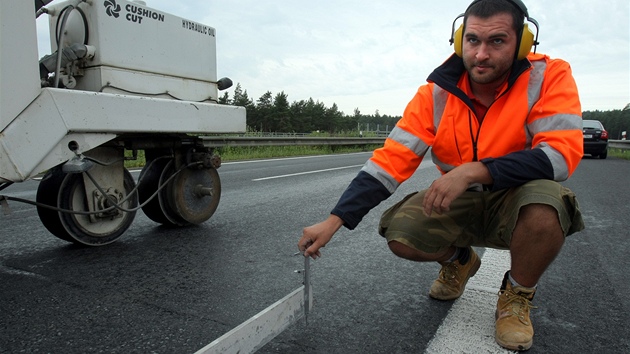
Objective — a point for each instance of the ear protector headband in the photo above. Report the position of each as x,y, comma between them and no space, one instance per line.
526,41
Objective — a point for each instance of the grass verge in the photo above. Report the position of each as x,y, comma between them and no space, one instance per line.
230,153
623,154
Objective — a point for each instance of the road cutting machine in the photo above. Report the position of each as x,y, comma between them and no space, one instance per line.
122,80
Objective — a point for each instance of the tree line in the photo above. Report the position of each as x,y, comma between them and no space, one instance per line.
274,113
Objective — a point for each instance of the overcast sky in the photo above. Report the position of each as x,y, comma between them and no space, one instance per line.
374,55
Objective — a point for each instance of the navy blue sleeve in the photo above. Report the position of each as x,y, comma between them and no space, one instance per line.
518,168
364,193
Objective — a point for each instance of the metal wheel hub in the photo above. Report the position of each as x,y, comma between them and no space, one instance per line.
104,202
194,194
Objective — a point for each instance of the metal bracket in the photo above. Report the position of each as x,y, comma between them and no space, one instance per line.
5,205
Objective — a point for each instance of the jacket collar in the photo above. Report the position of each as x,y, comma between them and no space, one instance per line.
448,74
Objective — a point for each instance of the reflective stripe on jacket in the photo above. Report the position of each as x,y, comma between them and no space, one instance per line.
532,130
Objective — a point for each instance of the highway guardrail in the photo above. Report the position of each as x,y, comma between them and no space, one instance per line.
619,144
221,141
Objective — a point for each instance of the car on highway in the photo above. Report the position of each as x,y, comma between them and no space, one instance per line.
595,138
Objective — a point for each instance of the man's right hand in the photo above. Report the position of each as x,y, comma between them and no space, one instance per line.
317,236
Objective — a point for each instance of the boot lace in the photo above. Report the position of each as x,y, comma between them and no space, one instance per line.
518,305
449,272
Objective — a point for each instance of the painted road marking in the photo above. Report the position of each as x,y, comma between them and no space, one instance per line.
305,173
291,158
469,325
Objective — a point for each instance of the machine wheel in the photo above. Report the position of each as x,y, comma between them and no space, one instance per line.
47,193
191,197
67,191
194,194
103,228
149,181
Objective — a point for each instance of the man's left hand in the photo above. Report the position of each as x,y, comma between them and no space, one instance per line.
451,185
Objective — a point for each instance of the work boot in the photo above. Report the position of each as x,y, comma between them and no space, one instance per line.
514,329
453,277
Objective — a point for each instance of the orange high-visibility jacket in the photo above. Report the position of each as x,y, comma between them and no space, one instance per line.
533,130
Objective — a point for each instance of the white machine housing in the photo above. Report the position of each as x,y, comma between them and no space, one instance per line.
140,50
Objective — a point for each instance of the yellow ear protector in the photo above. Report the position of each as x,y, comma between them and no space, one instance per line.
526,41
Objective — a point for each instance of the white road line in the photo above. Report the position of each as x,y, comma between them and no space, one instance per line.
292,158
305,173
469,325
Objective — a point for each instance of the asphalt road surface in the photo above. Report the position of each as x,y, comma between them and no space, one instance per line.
174,290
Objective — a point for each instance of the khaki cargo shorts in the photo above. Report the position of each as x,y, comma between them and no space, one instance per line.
484,219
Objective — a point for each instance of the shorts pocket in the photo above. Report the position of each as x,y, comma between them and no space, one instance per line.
389,214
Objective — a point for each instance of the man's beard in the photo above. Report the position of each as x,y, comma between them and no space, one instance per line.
491,75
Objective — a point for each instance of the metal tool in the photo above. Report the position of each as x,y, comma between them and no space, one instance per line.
260,329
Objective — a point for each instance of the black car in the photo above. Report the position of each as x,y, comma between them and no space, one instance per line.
595,138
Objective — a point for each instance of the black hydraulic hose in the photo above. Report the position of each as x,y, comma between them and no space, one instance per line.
115,204
59,38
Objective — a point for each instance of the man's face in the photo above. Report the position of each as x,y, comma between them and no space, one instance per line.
489,46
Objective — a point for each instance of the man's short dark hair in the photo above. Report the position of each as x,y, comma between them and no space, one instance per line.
489,8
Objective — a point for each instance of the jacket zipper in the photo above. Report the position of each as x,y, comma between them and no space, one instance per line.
472,136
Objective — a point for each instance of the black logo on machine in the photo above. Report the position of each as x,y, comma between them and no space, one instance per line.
112,8
134,13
